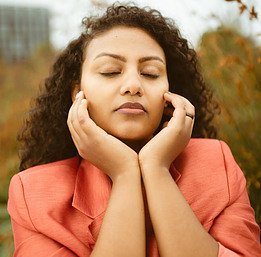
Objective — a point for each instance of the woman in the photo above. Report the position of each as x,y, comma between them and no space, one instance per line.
108,165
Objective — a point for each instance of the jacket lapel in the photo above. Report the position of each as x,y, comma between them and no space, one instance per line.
92,192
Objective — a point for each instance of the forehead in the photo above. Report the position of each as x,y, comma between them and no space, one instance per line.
125,41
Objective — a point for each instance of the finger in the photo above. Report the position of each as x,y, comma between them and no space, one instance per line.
189,121
183,115
180,101
75,106
179,113
175,100
88,126
70,116
76,139
188,111
190,116
169,96
178,117
76,123
72,130
82,112
74,134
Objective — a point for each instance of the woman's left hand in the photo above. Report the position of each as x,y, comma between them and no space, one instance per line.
164,147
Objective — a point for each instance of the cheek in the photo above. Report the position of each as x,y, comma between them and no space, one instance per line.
158,104
160,113
94,107
91,92
158,99
92,99
157,109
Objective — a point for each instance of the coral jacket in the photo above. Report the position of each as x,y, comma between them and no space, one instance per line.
57,209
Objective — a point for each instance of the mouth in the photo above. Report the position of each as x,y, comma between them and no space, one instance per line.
131,108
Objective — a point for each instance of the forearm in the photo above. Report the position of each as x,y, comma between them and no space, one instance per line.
177,229
123,229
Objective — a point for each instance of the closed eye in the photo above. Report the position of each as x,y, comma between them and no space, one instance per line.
110,74
151,76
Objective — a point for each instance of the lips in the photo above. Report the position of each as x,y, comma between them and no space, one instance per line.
131,105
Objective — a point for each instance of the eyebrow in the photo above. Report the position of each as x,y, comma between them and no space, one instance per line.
123,59
150,58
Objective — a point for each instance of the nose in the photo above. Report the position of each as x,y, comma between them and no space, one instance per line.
132,85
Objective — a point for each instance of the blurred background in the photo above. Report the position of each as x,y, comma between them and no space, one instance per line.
225,33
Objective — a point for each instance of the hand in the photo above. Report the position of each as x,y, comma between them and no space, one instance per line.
95,145
165,146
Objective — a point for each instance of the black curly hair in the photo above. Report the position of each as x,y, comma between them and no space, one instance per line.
45,136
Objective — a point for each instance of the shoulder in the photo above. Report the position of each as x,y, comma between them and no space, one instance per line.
70,163
48,174
209,165
209,151
47,177
206,146
202,151
41,187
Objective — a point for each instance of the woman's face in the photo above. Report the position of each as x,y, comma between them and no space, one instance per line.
125,66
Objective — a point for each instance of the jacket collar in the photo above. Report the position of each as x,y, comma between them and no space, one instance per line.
93,188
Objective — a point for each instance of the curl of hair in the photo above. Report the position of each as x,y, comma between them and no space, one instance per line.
45,136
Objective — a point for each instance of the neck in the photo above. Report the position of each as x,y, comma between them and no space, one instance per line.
136,145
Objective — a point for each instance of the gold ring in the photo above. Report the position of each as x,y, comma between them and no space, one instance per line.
190,115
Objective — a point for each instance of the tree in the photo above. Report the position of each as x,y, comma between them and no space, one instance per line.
231,66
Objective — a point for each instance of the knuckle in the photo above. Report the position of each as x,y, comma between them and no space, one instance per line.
82,121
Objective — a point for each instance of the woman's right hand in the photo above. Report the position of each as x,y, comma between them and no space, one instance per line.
94,144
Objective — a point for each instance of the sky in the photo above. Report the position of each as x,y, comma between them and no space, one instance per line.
193,17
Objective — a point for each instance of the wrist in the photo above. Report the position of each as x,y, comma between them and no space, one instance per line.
152,164
130,176
154,174
129,171
153,168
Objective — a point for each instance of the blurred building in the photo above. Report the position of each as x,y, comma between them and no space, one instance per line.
22,30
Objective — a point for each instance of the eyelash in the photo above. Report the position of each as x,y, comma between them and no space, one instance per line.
111,74
151,76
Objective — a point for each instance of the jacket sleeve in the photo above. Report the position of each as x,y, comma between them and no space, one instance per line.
235,227
27,240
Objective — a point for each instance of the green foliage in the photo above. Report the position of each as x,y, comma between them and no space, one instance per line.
6,238
231,65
